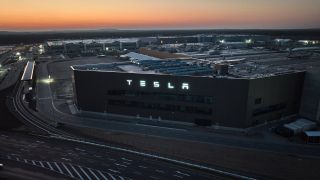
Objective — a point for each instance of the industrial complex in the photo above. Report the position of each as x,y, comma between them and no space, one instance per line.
208,98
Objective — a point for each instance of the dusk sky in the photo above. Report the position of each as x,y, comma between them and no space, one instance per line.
154,14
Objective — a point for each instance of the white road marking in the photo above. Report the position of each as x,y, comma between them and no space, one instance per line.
178,176
182,173
33,162
127,163
41,164
102,175
74,169
67,170
125,159
50,166
26,161
17,159
94,174
82,170
65,159
115,171
112,177
120,165
58,167
168,128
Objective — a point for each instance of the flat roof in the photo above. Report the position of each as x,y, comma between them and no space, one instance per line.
312,133
28,71
138,56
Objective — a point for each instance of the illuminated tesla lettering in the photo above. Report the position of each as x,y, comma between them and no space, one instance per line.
143,83
185,86
170,86
129,82
157,84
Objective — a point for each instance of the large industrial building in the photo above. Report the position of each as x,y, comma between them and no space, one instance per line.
184,92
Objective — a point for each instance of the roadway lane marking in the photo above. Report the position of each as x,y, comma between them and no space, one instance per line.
26,161
112,170
94,174
41,164
182,173
50,166
76,171
82,170
125,159
102,175
168,128
67,170
112,177
178,176
143,167
17,159
127,163
120,165
58,167
9,157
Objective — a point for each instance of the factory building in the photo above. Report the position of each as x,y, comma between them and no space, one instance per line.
91,46
177,91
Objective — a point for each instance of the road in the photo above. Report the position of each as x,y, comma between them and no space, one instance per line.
87,162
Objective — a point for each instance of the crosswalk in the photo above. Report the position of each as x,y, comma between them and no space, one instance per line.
71,170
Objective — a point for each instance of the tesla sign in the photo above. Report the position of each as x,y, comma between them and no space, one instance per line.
157,84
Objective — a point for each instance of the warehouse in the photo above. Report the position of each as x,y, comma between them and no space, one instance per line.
181,92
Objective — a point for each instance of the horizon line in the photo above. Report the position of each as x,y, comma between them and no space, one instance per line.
149,29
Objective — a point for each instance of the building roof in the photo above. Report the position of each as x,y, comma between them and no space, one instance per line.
312,133
137,56
300,124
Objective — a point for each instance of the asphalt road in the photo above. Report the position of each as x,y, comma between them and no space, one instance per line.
87,162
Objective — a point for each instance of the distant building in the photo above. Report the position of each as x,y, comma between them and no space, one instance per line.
92,46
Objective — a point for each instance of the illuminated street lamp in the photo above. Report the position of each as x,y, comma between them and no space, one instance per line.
222,41
248,41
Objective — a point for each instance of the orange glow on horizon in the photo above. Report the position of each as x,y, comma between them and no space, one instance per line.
61,14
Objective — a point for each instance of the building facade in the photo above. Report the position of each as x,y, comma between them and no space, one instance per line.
230,102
